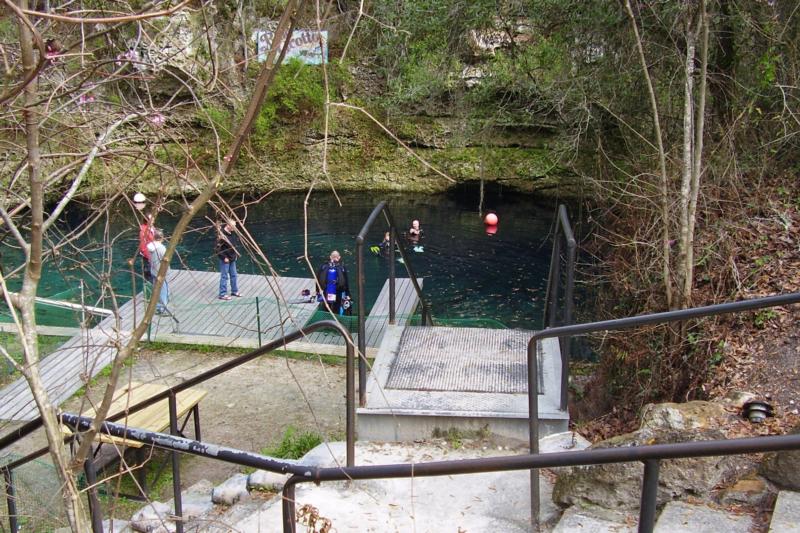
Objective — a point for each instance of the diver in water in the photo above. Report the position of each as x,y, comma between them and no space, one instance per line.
332,279
385,244
382,249
415,235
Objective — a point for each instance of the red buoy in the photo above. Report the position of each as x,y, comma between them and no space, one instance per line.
490,219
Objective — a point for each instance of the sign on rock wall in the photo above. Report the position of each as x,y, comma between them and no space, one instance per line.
309,46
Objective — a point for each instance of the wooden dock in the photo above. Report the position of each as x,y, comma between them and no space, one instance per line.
269,308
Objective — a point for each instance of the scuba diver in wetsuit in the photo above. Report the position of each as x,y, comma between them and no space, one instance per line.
332,278
382,249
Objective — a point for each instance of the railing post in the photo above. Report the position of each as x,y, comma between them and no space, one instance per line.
533,426
258,321
552,286
362,330
350,383
176,463
95,511
287,496
11,500
392,308
566,342
83,308
647,510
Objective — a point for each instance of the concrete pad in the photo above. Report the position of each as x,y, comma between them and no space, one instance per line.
678,517
455,396
786,516
563,442
496,501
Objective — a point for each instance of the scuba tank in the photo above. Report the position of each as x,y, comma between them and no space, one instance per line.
331,281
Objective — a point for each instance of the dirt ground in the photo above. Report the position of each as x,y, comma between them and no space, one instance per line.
251,406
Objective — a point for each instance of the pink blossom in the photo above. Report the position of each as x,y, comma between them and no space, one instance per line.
157,119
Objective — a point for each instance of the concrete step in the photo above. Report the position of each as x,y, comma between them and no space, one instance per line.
433,378
497,501
577,519
681,516
210,509
109,526
786,515
158,517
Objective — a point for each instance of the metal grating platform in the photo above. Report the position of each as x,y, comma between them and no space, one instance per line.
462,360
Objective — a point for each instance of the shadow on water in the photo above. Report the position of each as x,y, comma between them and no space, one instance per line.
468,274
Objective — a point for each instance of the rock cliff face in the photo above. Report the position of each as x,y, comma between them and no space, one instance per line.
424,150
361,156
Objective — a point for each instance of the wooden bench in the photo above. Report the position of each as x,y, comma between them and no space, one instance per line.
152,418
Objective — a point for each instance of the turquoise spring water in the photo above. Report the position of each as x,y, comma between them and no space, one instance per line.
468,274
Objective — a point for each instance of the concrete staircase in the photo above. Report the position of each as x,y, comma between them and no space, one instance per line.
426,379
476,502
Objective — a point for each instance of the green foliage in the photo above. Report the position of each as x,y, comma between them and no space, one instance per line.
762,261
217,118
297,93
763,317
768,68
718,355
294,444
453,436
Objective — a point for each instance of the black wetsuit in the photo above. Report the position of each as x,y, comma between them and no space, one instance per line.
325,276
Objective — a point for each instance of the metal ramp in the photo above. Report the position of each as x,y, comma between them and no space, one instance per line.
436,378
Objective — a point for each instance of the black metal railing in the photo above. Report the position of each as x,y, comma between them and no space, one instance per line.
394,236
651,469
650,455
170,395
563,237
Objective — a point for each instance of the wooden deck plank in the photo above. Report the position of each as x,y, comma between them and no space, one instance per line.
405,302
193,295
68,355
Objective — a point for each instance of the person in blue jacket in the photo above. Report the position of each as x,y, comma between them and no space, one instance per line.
332,279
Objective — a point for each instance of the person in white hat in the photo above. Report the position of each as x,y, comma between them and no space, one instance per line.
139,200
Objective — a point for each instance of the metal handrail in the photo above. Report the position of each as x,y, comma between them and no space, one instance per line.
382,207
651,470
302,473
171,393
563,227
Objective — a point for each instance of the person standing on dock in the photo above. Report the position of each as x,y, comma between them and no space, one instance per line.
332,280
156,252
227,248
146,233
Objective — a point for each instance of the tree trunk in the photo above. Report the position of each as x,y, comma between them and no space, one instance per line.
697,153
26,301
684,274
666,270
